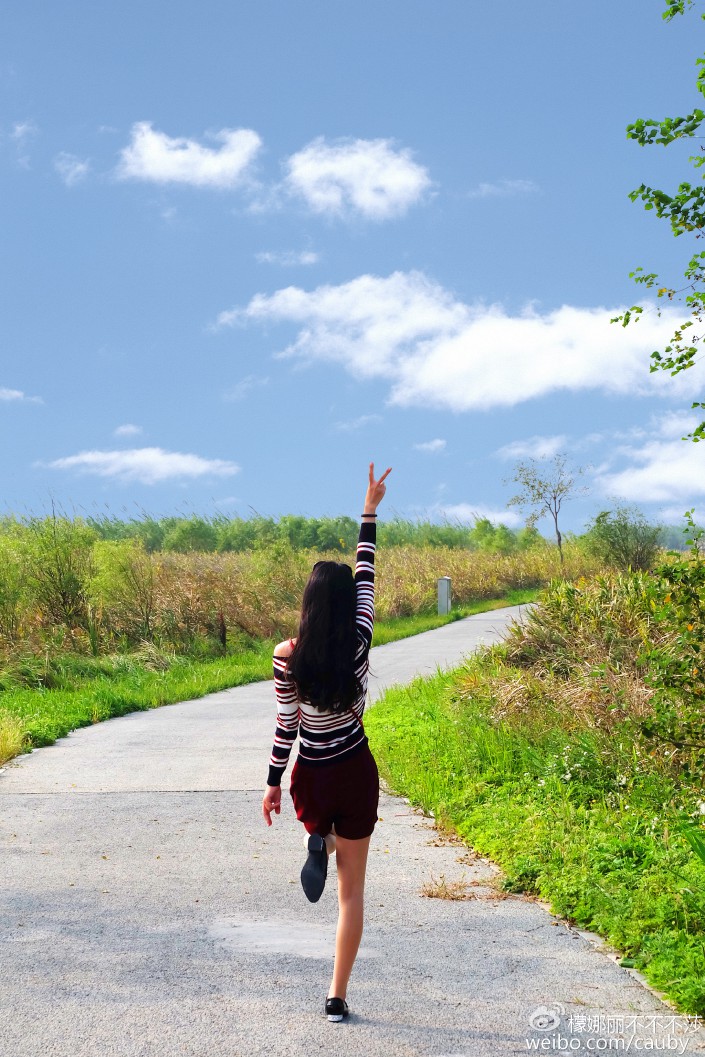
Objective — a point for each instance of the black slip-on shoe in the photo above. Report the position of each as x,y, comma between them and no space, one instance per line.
315,869
336,1008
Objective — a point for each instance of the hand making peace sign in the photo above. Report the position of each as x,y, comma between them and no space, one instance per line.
375,490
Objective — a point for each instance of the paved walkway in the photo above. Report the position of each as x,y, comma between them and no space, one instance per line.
146,909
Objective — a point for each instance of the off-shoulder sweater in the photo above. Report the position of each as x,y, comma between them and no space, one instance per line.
327,737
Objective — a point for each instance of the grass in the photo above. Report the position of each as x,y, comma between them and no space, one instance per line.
116,686
439,888
119,595
43,701
575,819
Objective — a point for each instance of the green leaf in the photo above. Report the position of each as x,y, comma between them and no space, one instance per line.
695,837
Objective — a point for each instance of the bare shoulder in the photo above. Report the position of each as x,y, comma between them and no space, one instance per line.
284,649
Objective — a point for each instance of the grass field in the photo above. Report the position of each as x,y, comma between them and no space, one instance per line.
62,589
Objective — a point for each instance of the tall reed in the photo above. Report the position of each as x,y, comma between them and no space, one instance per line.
95,595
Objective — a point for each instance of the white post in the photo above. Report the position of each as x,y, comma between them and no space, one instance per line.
444,601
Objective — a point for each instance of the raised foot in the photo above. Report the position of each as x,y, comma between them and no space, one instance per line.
315,869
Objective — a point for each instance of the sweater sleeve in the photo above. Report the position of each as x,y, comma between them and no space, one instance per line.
287,722
365,582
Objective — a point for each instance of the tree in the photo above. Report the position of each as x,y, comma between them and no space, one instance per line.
544,487
685,209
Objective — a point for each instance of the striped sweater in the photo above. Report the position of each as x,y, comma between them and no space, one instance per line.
325,737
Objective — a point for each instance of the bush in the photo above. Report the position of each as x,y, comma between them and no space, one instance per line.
15,594
191,534
60,556
122,587
624,539
676,667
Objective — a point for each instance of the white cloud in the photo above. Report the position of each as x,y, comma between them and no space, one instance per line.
70,168
127,430
471,512
287,258
240,390
431,446
156,157
674,424
664,468
358,423
588,440
503,189
437,351
673,515
376,322
23,130
371,177
147,465
533,448
21,135
12,395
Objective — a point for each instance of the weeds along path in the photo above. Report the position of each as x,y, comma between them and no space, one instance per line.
146,909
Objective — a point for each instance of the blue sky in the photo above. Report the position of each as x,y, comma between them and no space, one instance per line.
248,248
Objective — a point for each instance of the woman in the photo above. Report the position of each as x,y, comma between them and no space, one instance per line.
320,681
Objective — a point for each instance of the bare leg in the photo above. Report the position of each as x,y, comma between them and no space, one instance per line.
352,863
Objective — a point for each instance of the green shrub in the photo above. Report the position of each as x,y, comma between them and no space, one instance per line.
624,539
677,665
190,534
15,591
123,587
60,553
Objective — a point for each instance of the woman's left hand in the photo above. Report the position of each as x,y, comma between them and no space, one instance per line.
272,802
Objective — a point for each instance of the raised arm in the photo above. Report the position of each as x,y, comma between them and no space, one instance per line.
365,559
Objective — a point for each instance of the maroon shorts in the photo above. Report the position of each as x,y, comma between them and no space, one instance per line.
344,795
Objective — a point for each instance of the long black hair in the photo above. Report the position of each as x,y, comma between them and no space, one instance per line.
322,663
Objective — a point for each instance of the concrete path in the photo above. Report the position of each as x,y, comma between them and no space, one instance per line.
146,909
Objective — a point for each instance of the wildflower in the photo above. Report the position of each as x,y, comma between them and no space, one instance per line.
701,808
621,779
567,776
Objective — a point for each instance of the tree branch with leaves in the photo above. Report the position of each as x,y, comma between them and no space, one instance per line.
685,210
